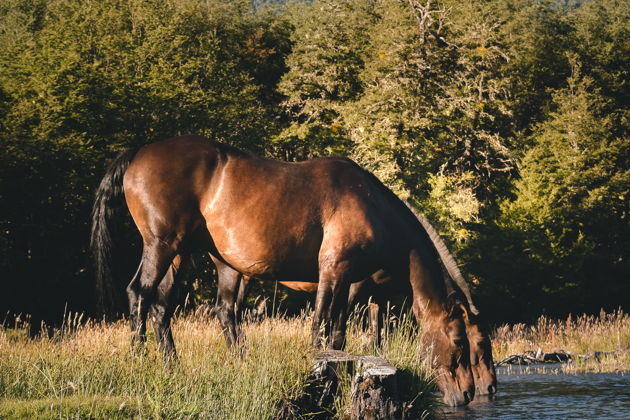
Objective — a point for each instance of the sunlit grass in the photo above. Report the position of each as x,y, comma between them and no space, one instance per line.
87,370
91,373
580,335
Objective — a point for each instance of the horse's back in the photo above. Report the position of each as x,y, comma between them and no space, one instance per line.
271,218
263,217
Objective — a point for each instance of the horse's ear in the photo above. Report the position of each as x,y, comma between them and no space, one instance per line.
465,310
471,314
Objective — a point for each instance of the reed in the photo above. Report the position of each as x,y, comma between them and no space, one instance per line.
582,335
87,370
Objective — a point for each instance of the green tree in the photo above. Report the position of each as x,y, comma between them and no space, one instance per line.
537,34
603,31
80,80
323,73
570,214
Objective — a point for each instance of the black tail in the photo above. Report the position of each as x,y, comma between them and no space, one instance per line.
108,203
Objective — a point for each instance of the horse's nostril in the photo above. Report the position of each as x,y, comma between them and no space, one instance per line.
467,398
492,389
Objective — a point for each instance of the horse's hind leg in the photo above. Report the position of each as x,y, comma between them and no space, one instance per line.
163,307
156,258
133,295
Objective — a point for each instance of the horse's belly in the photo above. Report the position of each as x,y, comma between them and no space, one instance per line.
273,253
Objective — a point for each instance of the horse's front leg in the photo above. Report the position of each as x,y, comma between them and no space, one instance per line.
228,292
331,304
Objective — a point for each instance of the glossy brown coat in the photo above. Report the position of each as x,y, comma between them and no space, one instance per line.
325,221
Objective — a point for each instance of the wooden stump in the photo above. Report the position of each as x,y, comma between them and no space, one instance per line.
329,367
374,390
374,386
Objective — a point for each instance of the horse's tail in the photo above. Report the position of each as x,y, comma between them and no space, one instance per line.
108,203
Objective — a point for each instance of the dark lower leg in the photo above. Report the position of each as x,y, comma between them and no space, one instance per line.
161,320
162,311
243,289
133,293
331,304
321,319
229,281
339,316
156,259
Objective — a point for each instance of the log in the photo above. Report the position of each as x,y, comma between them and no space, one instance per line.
558,356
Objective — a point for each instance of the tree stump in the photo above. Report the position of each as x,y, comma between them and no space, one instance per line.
374,386
374,390
329,366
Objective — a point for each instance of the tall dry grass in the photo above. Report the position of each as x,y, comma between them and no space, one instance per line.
581,335
87,370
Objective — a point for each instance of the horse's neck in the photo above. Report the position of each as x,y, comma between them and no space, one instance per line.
425,276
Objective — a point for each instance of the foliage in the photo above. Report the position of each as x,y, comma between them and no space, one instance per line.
572,198
81,80
506,121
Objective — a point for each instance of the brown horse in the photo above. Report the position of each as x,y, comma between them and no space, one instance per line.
324,221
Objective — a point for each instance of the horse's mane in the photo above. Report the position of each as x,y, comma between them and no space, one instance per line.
447,258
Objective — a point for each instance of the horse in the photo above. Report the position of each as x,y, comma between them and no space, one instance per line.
481,359
325,221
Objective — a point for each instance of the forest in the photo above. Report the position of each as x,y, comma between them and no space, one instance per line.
505,121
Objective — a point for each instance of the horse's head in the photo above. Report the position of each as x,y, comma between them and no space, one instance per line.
481,360
447,333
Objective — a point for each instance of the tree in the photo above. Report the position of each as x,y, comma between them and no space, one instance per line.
323,73
571,207
79,81
602,30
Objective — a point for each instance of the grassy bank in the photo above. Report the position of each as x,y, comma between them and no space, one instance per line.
88,371
579,335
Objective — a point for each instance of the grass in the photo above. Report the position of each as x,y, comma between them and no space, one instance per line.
585,334
87,370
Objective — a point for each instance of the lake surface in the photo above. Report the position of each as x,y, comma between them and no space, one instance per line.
541,392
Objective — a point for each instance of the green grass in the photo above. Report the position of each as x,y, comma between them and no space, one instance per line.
74,407
87,371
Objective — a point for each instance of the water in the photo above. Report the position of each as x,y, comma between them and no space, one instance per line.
543,392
